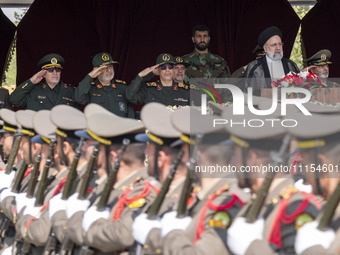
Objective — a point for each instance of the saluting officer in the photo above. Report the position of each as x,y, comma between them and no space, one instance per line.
99,87
36,94
164,91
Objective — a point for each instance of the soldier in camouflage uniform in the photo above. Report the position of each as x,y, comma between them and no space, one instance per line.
204,64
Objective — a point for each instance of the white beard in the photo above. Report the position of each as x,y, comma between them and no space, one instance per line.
275,57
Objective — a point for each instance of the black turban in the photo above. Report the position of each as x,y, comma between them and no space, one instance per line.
267,33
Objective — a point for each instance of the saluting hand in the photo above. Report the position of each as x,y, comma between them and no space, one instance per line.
96,71
38,77
148,70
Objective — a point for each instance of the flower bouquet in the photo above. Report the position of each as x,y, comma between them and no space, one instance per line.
304,80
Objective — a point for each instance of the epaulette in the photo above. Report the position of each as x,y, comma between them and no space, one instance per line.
182,85
120,81
151,84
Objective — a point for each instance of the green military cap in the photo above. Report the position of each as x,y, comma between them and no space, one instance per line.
165,58
103,59
44,126
51,61
10,123
24,120
320,58
180,61
250,130
67,119
157,119
105,127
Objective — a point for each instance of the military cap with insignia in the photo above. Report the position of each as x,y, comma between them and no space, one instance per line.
24,120
43,127
266,34
108,128
67,123
10,123
320,58
157,120
103,59
51,61
180,61
165,58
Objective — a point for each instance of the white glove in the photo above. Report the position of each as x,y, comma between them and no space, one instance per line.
303,187
7,193
7,251
56,204
142,226
33,211
308,235
169,222
6,180
22,201
241,234
92,215
75,205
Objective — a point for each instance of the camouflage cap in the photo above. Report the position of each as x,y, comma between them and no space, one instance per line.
51,61
24,120
67,123
10,123
103,59
180,61
165,58
43,125
320,58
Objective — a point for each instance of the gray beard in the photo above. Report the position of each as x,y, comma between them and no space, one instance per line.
274,56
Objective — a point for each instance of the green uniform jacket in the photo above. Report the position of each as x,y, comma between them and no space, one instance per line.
112,98
141,92
41,97
206,65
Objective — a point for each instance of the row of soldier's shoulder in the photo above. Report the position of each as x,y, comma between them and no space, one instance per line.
180,85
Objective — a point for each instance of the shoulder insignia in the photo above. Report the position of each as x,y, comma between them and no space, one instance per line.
151,84
137,203
302,219
25,85
120,81
99,86
220,220
175,87
182,85
288,191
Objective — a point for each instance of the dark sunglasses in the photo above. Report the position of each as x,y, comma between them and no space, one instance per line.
58,70
163,67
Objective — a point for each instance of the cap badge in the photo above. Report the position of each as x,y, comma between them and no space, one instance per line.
54,61
105,57
166,57
179,59
323,57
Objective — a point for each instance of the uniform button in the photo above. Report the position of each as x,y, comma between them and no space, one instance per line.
41,102
146,246
158,251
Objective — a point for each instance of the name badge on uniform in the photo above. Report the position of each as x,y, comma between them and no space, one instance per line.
41,97
122,106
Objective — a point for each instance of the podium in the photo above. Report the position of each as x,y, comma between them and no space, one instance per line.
322,95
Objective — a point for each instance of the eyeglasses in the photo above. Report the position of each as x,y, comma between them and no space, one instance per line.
163,67
58,70
275,45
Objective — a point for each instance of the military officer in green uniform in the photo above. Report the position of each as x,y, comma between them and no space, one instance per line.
38,94
319,64
99,87
164,91
204,64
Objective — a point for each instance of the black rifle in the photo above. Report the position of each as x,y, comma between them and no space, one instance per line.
34,176
13,154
